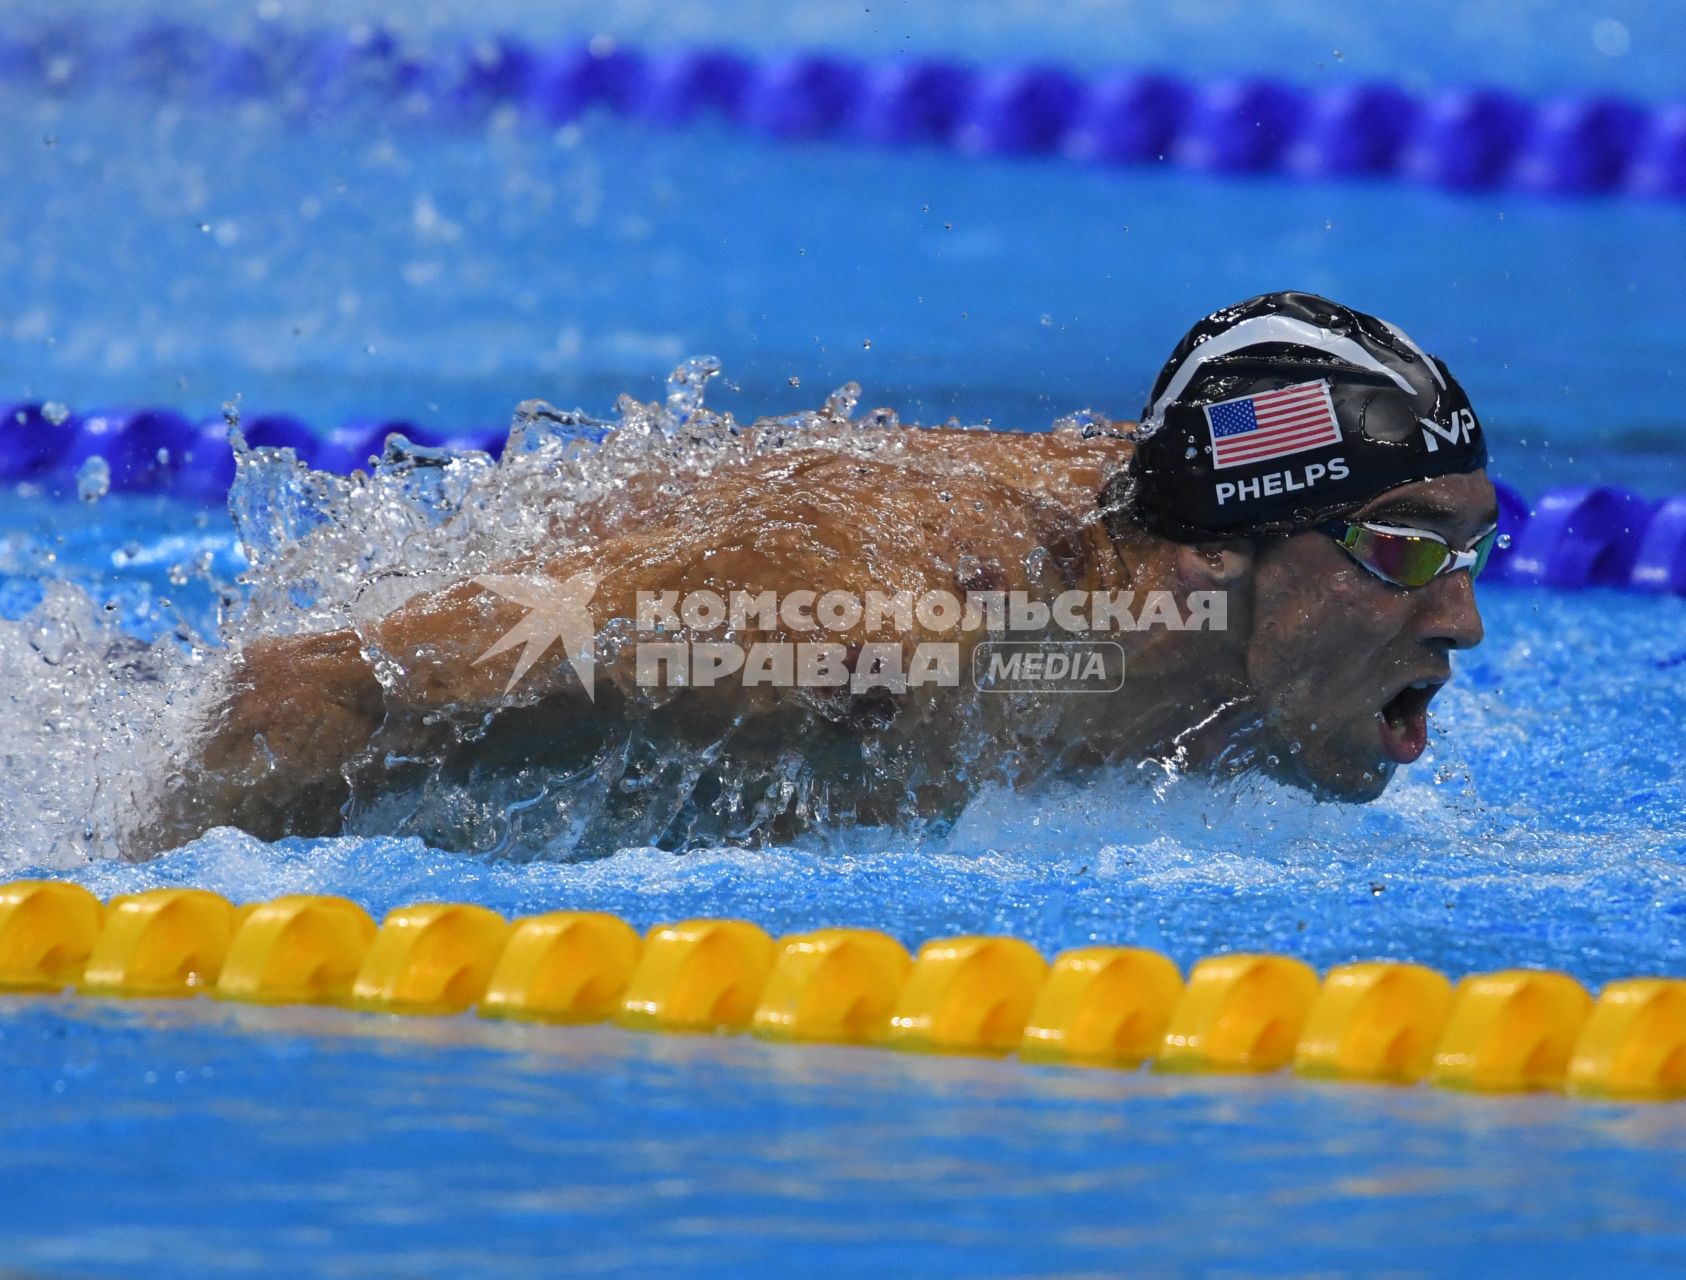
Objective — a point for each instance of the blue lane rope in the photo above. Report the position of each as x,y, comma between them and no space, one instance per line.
1462,139
1570,537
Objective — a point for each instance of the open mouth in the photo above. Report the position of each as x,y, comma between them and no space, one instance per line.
1404,720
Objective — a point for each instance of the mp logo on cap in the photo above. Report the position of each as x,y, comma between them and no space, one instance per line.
1463,422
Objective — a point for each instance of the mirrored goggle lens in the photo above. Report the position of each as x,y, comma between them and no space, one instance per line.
1411,562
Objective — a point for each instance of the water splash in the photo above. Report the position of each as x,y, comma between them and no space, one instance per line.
321,552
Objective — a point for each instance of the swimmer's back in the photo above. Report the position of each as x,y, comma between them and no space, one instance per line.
1061,471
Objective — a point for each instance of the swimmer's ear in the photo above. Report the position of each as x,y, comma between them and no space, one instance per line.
1214,565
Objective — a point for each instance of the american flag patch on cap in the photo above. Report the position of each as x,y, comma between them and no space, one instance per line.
1272,424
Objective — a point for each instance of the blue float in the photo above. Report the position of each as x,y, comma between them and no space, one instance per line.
1468,139
282,431
1660,564
1581,146
1513,519
143,449
679,86
1129,119
1659,161
808,96
565,84
1358,130
1580,537
488,74
914,102
1022,111
207,464
1245,126
30,442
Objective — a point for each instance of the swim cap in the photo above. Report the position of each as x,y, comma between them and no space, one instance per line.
1286,410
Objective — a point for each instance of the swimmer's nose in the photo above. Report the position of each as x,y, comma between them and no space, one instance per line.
1450,616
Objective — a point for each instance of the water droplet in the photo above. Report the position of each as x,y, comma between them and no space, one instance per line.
866,344
1047,321
55,413
687,384
1377,888
93,479
1611,37
1191,452
794,380
841,402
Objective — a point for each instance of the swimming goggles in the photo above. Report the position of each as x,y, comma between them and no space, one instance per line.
1410,557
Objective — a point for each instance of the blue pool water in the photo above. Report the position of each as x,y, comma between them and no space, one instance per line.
363,267
239,1141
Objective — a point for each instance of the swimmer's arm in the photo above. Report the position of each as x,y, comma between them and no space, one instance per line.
301,709
298,710
295,710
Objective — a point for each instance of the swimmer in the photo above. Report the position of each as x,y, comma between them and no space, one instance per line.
1305,494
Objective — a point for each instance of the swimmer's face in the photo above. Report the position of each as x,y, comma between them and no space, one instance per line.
1344,665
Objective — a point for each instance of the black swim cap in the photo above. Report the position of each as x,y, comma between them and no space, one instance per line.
1286,410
